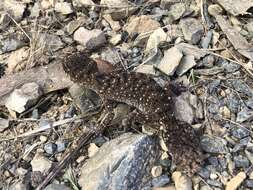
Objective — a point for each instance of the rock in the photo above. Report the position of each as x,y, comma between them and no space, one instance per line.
141,24
241,162
114,3
10,44
155,39
46,4
183,109
119,165
225,112
186,64
4,124
241,86
61,146
156,171
213,144
90,39
192,29
50,41
165,4
75,24
50,148
64,8
82,3
236,181
214,183
92,150
54,186
214,9
16,59
24,97
240,133
160,181
244,115
146,69
40,163
115,25
35,10
233,102
18,186
249,183
177,10
15,8
182,182
236,7
5,20
170,61
116,39
230,67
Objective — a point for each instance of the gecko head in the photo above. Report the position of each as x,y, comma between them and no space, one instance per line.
80,68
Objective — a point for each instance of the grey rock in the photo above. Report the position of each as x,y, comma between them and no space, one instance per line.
245,141
70,112
50,41
50,148
223,163
61,146
170,61
213,108
165,4
4,124
249,103
212,87
214,161
205,42
84,98
90,39
18,186
213,144
75,24
23,98
230,67
204,172
54,186
10,44
186,64
160,181
192,29
214,183
183,110
244,115
35,114
249,183
241,86
209,61
240,132
233,103
241,162
123,163
177,10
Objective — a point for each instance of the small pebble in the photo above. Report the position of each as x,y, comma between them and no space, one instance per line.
43,138
92,150
156,171
80,159
50,148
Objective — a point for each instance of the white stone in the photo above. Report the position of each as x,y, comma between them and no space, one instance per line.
89,38
170,61
63,7
41,163
23,98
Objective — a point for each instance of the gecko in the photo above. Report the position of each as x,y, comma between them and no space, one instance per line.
142,92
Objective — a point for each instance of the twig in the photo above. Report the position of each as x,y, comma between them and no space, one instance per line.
83,140
19,26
